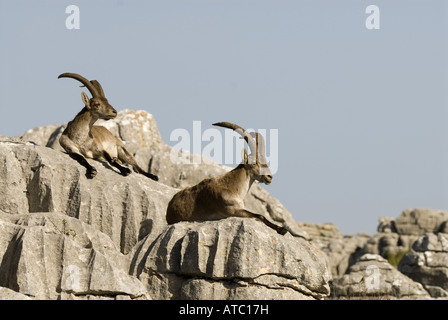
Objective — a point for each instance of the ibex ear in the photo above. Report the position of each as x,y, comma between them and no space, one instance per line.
244,156
86,99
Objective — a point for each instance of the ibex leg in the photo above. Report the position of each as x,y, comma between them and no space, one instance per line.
91,171
246,213
114,161
126,157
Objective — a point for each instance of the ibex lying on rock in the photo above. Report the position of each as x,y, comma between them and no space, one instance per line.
223,196
81,139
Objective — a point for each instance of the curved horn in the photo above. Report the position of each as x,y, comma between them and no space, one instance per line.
261,146
247,136
98,87
93,90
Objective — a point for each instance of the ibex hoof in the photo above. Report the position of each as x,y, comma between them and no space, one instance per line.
91,173
125,171
282,231
151,176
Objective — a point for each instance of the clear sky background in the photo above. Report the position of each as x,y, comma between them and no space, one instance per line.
362,115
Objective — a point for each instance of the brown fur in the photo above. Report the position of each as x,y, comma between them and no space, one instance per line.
81,139
221,197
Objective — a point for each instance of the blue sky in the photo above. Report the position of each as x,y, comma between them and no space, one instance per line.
361,114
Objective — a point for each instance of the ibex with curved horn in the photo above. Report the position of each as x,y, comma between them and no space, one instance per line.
81,139
223,196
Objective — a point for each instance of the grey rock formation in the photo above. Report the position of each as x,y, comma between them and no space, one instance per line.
234,258
64,236
396,236
39,179
428,263
52,256
8,294
421,221
341,251
43,136
372,277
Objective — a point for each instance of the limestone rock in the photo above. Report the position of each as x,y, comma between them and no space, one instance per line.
39,179
396,236
372,277
432,242
64,236
428,263
420,221
43,136
233,258
8,294
389,245
386,225
341,251
52,256
316,231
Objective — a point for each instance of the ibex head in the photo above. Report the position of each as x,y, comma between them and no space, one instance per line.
98,105
255,162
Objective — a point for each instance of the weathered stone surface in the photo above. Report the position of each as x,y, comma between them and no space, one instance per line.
432,242
43,135
39,179
437,292
396,236
8,294
234,258
386,225
388,244
318,231
341,251
97,231
428,262
52,256
372,277
420,221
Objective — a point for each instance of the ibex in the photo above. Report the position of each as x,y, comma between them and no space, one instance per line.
223,196
81,139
